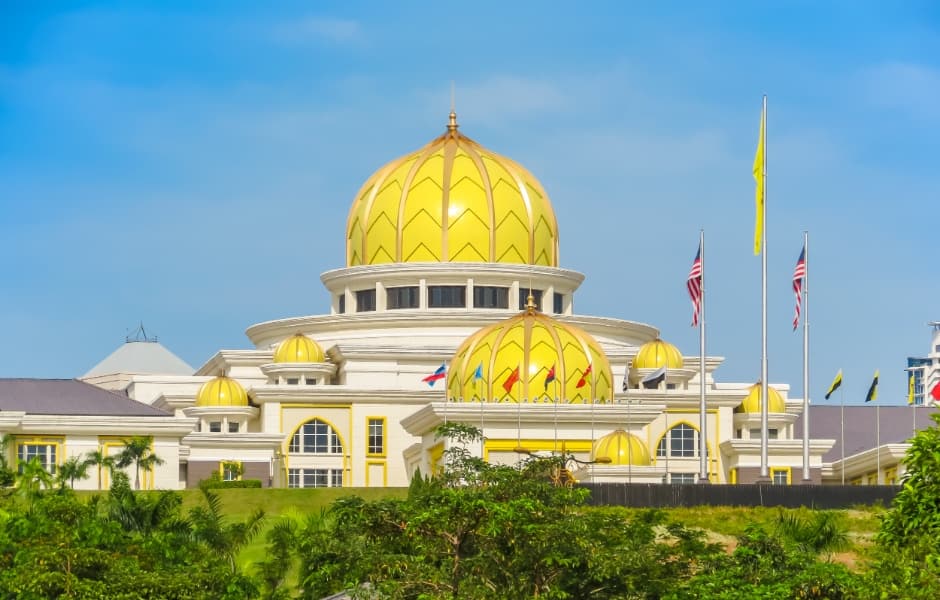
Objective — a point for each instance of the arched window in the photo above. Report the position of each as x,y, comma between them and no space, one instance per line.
680,441
316,437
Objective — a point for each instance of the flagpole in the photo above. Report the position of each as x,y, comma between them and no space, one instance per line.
842,428
878,442
806,471
482,435
629,441
703,435
555,382
764,476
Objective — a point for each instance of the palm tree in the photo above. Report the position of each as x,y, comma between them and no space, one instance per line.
821,534
138,451
72,469
220,536
99,459
32,478
7,475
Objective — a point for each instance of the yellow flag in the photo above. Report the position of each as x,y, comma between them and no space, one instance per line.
910,388
759,180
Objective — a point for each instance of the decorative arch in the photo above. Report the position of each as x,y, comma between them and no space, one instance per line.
688,435
316,436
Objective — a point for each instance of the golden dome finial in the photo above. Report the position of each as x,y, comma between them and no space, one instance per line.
530,303
452,118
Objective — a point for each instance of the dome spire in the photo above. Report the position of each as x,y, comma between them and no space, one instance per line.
452,118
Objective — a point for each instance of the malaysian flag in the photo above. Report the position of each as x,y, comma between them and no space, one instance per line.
799,274
694,284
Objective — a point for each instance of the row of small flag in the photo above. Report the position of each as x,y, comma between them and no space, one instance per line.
694,285
652,380
873,388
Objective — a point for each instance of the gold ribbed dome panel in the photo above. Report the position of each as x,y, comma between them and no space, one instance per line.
622,448
752,402
533,343
452,201
298,349
221,391
656,354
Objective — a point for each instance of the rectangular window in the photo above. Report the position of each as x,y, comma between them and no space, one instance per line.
231,471
233,426
215,427
44,453
341,304
780,476
447,296
376,436
308,478
682,478
490,297
293,380
771,434
365,300
524,298
310,381
558,303
402,297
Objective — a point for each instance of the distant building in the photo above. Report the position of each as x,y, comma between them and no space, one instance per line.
926,370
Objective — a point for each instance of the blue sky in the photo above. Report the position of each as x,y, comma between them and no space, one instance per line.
191,165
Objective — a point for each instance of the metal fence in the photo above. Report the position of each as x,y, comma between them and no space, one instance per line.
664,495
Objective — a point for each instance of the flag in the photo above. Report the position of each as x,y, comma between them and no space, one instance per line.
478,374
799,273
511,380
759,180
583,381
626,380
694,285
872,389
935,392
835,384
441,373
550,377
910,388
653,380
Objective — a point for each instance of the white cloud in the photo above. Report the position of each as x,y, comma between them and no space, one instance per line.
908,87
315,28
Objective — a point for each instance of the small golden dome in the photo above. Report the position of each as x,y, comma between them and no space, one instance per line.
656,354
622,448
530,345
752,403
298,349
222,391
452,201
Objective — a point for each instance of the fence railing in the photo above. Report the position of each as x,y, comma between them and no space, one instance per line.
664,495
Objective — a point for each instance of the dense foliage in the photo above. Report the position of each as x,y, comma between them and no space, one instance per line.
472,531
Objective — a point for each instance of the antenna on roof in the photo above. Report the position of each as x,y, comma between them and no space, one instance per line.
139,335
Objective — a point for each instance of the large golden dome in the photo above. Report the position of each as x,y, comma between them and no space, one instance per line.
752,402
530,344
452,201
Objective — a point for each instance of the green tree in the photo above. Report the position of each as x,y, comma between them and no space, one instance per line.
99,460
7,474
70,470
33,478
138,451
493,531
221,536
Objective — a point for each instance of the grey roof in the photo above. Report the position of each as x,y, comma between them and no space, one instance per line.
69,397
897,424
141,358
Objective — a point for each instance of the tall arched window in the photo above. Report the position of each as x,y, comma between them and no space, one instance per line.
316,437
680,441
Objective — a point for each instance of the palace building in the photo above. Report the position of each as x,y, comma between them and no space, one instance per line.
452,260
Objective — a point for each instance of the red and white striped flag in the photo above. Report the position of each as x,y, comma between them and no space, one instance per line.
694,285
799,273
